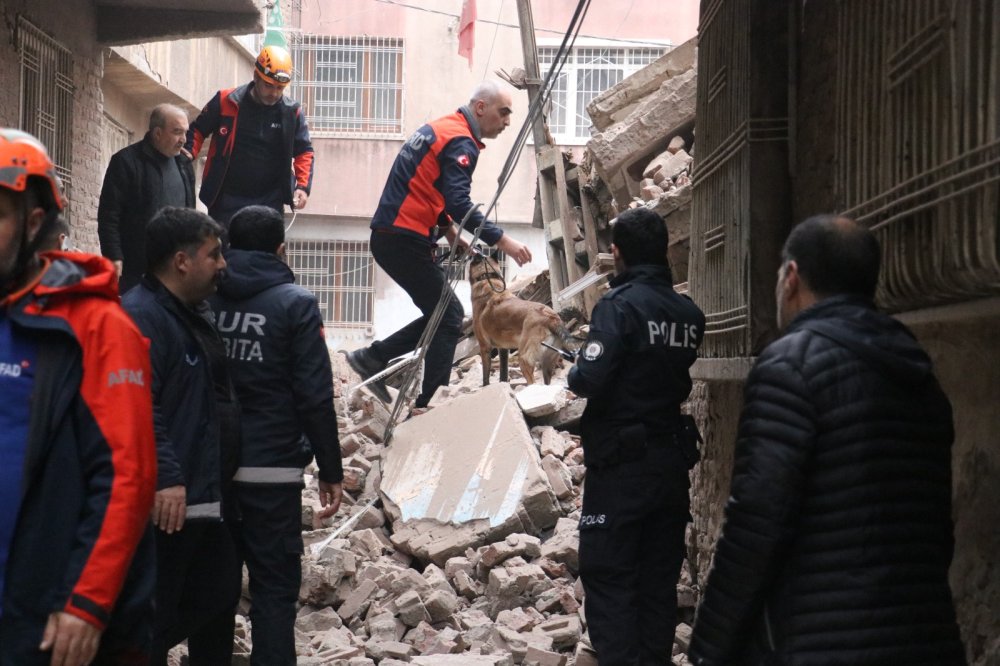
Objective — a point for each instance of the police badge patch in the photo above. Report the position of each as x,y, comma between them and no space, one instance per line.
593,351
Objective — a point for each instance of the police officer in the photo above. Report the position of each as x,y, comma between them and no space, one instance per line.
634,370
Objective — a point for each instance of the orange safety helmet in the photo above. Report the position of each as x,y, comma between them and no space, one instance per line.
274,65
23,157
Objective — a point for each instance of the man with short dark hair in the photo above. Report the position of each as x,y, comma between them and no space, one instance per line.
638,448
141,179
196,419
273,330
77,466
426,193
838,534
260,153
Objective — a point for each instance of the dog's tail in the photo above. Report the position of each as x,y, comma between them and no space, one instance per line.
560,338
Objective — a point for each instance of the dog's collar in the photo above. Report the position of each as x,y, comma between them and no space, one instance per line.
487,276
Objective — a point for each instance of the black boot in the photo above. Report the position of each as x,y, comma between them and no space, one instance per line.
361,362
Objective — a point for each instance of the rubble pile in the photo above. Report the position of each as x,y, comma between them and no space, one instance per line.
464,558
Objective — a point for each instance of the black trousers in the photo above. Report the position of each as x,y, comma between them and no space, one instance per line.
631,550
409,261
269,538
197,588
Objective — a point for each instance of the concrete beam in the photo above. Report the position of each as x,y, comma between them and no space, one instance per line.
615,103
132,24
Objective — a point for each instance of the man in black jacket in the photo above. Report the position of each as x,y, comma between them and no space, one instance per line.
196,421
273,331
140,180
638,449
838,533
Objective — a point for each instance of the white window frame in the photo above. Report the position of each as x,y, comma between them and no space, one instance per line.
341,274
602,64
350,87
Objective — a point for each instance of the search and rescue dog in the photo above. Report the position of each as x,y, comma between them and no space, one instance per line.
501,320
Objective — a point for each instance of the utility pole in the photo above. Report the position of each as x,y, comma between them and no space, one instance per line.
532,79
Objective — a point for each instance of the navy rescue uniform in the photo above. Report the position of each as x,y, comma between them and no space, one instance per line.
273,332
634,371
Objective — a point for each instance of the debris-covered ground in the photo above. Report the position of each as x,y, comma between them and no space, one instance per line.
375,594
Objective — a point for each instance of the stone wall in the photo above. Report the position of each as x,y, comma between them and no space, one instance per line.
965,354
716,407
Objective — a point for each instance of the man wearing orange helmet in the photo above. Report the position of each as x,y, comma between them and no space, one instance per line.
260,153
77,454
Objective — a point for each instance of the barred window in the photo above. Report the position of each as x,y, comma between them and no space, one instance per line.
47,95
342,276
350,85
114,137
587,73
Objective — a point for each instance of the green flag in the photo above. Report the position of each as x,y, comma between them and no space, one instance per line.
274,35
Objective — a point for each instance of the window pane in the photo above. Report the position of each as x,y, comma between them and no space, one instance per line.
351,85
341,275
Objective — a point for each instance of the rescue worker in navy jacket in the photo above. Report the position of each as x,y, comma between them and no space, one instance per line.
260,152
196,420
426,192
280,365
634,372
141,179
77,454
838,533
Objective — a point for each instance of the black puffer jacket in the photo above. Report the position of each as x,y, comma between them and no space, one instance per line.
838,531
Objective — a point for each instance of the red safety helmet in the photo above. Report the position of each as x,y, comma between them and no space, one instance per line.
22,158
274,65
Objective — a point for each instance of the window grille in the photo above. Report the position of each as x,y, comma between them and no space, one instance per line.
114,137
350,85
341,274
587,73
46,107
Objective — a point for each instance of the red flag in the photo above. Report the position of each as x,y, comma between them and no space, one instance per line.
467,30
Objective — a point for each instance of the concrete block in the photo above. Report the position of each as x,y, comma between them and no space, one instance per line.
456,564
564,630
436,578
321,620
463,660
514,545
615,103
440,605
541,399
564,547
411,610
550,442
559,477
357,602
538,657
682,636
657,117
466,586
567,418
388,650
448,489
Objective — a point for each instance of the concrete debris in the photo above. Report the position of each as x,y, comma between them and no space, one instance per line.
473,555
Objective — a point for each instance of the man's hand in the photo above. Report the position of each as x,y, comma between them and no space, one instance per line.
330,495
451,233
299,199
73,641
118,267
519,252
169,509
